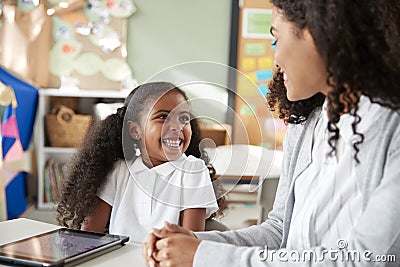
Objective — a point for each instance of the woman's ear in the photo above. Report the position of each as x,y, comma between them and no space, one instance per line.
134,130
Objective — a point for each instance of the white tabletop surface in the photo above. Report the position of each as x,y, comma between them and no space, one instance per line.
128,255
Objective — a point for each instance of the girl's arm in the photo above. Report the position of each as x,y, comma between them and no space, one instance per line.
193,219
98,219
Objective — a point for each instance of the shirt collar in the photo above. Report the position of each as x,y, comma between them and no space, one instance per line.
366,110
163,169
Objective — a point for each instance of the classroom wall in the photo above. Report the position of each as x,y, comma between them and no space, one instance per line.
165,33
162,34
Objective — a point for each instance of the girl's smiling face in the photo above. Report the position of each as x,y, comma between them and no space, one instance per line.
164,131
297,57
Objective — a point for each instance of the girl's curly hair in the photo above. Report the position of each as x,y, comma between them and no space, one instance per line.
109,141
359,43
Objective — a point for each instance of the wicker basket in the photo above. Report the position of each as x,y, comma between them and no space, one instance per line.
69,102
67,129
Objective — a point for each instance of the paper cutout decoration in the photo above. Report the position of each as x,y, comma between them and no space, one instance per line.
244,86
116,69
97,11
121,8
88,63
10,127
26,5
100,10
265,63
248,64
7,96
69,48
264,75
54,2
106,38
254,49
62,56
10,130
16,152
68,83
8,175
263,89
62,30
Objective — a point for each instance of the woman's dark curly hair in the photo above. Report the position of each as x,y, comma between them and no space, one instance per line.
359,43
109,141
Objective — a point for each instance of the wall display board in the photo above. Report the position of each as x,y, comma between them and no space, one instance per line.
67,43
254,58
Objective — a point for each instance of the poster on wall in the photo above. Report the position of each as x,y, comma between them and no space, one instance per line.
256,23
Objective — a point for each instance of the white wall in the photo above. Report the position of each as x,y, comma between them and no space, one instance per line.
163,33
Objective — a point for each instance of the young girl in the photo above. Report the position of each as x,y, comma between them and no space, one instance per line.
109,183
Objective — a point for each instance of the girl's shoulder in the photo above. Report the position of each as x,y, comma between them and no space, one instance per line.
120,168
192,163
191,158
121,164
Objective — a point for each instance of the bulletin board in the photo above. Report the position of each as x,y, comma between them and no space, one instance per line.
89,45
67,43
254,124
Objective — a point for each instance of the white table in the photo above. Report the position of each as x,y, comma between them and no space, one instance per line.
128,255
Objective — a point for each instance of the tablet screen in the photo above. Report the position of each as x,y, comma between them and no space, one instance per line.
58,245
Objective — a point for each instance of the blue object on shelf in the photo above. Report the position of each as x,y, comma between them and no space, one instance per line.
27,98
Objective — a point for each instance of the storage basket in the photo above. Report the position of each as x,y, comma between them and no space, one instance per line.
69,102
67,129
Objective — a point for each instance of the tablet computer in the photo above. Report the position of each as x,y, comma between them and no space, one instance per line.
61,247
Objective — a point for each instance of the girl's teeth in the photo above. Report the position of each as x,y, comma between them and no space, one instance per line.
284,76
172,142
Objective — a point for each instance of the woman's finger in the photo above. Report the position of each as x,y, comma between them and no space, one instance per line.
148,249
144,254
150,244
174,228
161,244
176,250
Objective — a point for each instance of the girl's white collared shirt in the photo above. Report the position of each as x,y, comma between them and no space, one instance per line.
143,198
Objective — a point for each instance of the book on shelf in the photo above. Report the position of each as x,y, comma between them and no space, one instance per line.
54,173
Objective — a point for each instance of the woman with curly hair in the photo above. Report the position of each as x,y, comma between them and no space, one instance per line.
140,167
337,87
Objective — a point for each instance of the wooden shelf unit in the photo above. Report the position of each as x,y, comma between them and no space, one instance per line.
44,152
